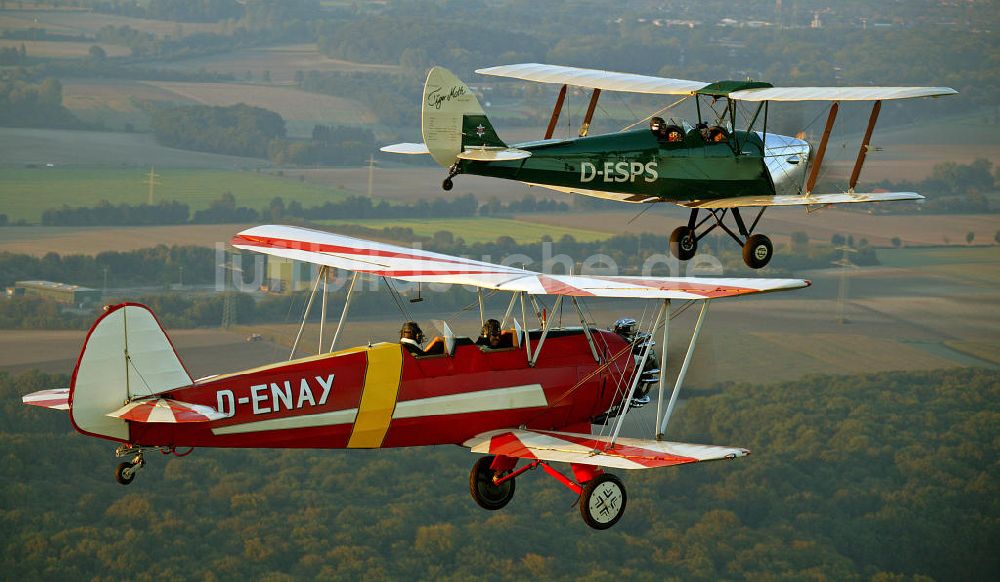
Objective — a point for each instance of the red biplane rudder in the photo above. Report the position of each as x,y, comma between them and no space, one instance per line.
126,355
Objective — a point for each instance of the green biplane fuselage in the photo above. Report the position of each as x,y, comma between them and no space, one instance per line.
636,166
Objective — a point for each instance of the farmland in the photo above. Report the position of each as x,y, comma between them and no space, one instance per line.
476,229
74,22
27,192
280,62
93,150
63,49
92,240
301,110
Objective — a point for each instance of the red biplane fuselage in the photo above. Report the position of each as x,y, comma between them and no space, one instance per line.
384,396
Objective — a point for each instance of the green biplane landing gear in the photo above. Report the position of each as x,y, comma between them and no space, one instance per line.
757,251
447,185
757,248
683,243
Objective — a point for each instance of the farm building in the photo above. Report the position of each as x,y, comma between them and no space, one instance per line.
61,292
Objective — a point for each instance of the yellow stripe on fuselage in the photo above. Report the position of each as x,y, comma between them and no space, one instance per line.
378,397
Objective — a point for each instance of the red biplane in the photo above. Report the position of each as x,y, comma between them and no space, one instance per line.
536,400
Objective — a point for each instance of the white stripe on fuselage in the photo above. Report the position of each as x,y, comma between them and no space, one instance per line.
510,398
527,396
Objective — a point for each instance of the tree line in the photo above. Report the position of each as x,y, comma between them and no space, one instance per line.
225,210
243,130
952,188
26,104
874,477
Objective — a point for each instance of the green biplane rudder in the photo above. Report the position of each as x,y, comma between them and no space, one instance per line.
452,119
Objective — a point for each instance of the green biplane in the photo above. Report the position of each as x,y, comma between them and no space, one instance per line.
709,166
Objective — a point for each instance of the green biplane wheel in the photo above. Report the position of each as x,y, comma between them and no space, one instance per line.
683,243
757,251
447,185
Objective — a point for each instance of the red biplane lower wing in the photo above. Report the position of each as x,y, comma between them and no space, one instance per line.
585,449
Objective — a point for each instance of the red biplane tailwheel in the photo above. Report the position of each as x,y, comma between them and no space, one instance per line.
602,502
683,243
125,473
447,185
757,251
484,491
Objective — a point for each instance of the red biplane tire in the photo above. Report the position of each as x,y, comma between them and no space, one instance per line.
757,251
121,476
602,501
683,244
486,494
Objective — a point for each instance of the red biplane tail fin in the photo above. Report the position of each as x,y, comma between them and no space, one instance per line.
126,356
585,449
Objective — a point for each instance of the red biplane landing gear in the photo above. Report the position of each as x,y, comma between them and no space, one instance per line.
483,484
602,495
757,248
602,501
126,471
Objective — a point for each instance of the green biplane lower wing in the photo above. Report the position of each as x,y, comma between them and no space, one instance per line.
800,200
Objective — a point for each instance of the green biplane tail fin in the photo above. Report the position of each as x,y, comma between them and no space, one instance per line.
452,119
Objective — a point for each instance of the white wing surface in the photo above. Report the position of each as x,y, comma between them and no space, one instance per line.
839,93
418,265
412,149
586,449
594,79
802,200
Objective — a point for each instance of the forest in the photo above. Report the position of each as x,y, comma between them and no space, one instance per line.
879,477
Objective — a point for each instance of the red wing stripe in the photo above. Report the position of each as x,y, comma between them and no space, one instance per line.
508,445
557,287
51,402
705,289
645,457
139,413
316,247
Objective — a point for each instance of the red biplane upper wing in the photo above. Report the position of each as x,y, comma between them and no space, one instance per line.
585,449
418,265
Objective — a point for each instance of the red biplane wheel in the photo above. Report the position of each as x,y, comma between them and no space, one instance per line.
486,494
602,502
122,476
757,251
683,244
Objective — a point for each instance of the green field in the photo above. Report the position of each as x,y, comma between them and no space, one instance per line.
27,192
951,255
477,230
